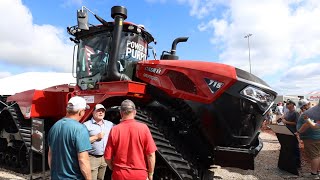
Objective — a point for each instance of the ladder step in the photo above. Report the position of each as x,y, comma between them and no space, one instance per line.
25,130
26,139
27,135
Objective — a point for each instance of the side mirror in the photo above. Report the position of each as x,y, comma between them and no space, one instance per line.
82,17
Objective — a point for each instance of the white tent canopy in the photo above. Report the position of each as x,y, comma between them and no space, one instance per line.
33,80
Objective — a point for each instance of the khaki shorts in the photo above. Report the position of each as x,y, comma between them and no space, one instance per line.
312,148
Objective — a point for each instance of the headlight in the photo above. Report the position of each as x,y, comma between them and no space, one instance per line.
263,99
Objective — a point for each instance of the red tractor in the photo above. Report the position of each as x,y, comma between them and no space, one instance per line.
199,113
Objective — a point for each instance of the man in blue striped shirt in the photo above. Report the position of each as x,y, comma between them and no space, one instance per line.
99,131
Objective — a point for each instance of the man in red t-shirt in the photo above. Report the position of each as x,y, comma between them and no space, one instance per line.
130,151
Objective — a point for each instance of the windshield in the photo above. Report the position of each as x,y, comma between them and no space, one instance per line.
93,53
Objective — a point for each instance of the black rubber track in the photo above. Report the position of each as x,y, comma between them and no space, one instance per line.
179,167
24,131
12,118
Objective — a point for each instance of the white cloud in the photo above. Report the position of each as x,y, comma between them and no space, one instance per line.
5,74
284,39
298,86
34,80
303,71
27,44
201,8
300,79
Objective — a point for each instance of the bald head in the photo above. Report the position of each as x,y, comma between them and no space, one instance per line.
127,107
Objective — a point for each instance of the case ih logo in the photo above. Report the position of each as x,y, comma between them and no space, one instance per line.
214,85
153,70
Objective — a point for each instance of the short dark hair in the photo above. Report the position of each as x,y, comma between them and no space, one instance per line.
127,106
291,102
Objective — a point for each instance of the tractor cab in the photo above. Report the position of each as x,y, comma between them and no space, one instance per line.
108,52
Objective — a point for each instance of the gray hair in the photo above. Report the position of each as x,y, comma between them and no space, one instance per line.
71,111
127,106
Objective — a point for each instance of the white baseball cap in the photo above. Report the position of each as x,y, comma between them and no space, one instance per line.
302,102
99,106
77,103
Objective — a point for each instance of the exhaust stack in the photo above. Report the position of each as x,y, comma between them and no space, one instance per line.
172,54
119,14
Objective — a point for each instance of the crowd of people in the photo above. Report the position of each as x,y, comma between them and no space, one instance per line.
84,151
303,120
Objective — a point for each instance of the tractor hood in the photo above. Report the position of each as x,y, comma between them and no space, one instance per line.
200,81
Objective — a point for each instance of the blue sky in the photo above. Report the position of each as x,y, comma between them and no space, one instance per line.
285,45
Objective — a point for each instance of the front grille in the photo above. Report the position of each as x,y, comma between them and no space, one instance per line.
182,82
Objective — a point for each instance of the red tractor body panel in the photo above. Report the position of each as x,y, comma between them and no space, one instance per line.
168,76
51,102
40,103
111,89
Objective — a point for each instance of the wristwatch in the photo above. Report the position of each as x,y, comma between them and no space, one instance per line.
150,173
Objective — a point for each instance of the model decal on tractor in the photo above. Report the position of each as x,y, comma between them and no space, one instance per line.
214,85
153,70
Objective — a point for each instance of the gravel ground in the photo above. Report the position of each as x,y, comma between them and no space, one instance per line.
10,175
265,165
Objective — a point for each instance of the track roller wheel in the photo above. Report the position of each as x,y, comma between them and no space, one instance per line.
7,158
2,156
